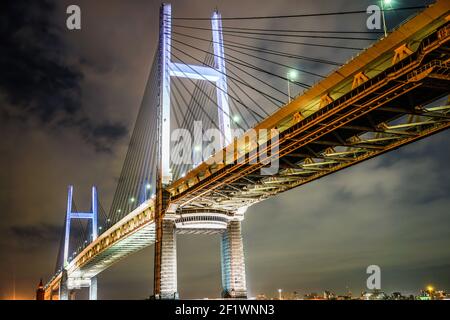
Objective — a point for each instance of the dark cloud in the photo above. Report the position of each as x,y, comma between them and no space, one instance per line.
32,236
36,79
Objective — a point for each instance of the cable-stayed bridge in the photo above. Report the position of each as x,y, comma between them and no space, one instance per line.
221,128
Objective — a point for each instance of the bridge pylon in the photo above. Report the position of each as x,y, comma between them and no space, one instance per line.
165,270
92,216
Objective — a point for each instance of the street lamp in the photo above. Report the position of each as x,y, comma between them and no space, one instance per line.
292,75
279,293
385,3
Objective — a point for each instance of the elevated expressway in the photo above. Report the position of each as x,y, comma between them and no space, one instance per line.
377,102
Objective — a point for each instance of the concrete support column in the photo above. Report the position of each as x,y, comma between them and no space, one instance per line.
63,287
169,288
233,264
93,289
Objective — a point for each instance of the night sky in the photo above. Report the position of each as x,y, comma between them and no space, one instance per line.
68,101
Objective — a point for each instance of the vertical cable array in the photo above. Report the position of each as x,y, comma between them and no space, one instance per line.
137,179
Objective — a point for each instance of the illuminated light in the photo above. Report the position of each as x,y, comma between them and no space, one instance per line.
109,220
430,288
387,2
132,199
148,186
99,228
236,118
292,75
197,148
119,211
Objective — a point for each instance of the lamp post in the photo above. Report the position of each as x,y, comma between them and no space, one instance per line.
385,3
291,76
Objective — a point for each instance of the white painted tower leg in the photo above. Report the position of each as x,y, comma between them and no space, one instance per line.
233,264
169,261
93,289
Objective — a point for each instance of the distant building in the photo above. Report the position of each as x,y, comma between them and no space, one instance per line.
328,295
374,295
40,293
398,296
313,296
261,296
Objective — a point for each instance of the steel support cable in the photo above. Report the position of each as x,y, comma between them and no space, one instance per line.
243,83
307,15
136,145
197,106
119,193
81,237
247,64
177,148
278,34
240,102
205,80
280,64
234,44
191,115
279,53
150,175
230,87
198,95
60,256
202,99
139,174
258,79
267,97
232,62
123,185
210,121
303,31
233,83
284,41
135,183
195,99
230,43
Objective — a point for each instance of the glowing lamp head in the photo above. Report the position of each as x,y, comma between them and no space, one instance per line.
292,75
148,186
387,2
132,199
197,148
236,118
